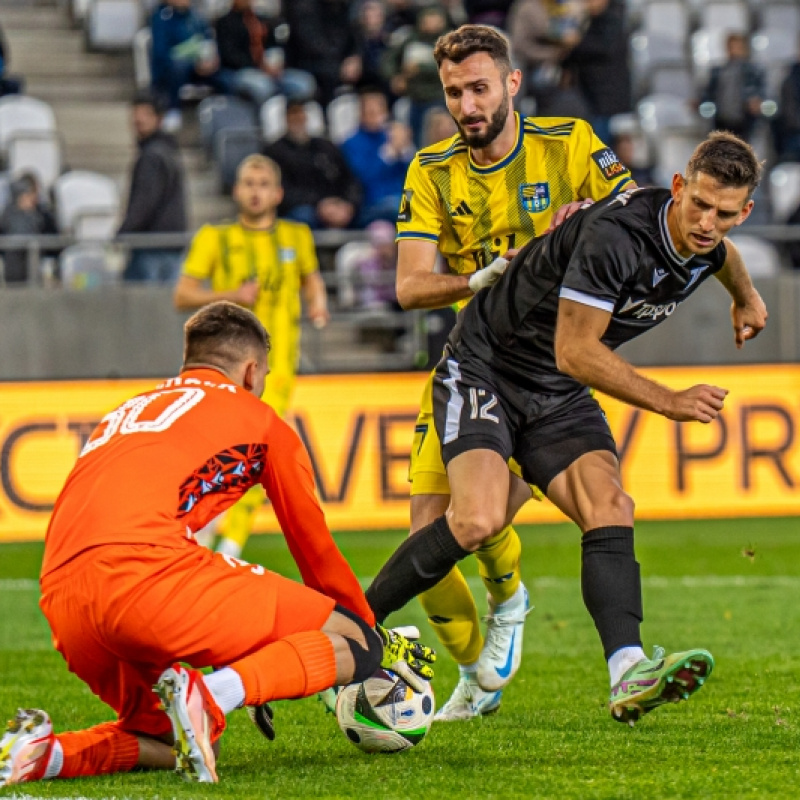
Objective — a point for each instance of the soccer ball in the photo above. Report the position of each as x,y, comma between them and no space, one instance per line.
384,714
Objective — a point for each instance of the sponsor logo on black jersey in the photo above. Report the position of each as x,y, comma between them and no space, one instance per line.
645,310
404,213
535,197
658,276
608,163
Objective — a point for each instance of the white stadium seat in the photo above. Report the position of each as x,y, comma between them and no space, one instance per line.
86,204
112,24
784,190
666,15
729,16
775,46
659,112
19,113
760,256
779,16
273,118
673,150
38,152
142,41
343,115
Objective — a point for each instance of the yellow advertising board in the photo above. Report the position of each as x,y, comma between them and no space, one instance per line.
358,430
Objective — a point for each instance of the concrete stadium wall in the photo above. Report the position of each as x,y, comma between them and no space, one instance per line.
133,331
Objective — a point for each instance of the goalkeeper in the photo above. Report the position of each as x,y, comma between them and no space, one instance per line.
128,592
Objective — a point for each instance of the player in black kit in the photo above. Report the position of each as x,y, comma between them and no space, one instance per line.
514,382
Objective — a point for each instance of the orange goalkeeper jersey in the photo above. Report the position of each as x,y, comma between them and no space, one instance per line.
168,461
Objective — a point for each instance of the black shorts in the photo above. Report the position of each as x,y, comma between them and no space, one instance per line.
476,409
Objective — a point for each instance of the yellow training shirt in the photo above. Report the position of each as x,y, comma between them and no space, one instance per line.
279,258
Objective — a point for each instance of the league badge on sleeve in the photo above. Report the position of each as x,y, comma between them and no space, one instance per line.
608,163
535,197
404,213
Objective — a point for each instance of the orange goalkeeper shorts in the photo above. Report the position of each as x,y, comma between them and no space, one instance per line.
121,614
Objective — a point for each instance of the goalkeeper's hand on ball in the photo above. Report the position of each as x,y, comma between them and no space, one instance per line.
405,657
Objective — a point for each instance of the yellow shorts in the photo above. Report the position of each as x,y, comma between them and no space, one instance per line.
426,472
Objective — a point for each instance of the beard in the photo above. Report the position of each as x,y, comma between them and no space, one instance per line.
493,129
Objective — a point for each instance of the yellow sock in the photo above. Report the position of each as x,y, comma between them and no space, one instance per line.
239,519
453,616
498,564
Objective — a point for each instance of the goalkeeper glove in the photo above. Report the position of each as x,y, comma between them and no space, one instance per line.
408,659
488,275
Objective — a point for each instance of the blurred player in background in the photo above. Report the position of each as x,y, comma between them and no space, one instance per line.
263,263
475,199
128,592
514,381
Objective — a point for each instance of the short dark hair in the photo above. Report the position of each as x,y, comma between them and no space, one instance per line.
727,159
223,335
154,101
470,39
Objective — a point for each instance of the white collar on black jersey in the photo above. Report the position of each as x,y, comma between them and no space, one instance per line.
669,245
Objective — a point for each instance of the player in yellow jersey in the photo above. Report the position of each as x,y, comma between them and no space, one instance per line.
263,263
476,198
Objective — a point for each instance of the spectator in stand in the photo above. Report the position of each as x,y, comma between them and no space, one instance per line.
318,187
376,271
157,199
786,127
439,125
599,63
322,42
372,43
401,16
541,39
25,215
412,69
487,12
183,52
624,148
378,154
252,59
8,84
736,89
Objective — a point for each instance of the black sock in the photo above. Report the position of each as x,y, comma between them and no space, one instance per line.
611,586
418,564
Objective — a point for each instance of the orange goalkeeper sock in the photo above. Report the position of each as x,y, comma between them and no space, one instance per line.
300,665
100,750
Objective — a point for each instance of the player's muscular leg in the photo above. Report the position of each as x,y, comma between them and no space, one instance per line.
590,492
357,648
479,485
425,508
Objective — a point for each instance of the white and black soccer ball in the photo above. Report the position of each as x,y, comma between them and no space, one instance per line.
384,714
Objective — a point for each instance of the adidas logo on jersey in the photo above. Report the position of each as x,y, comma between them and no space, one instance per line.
462,210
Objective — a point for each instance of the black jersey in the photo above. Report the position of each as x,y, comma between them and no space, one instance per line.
616,255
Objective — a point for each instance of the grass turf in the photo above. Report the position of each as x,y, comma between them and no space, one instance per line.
729,586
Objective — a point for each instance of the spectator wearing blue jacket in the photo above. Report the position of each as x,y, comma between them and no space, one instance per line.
378,155
183,52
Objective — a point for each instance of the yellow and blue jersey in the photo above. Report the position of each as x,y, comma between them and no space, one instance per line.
476,213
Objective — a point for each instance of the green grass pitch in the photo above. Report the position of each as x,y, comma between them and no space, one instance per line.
732,587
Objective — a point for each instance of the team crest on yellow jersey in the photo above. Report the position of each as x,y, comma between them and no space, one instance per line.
535,197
